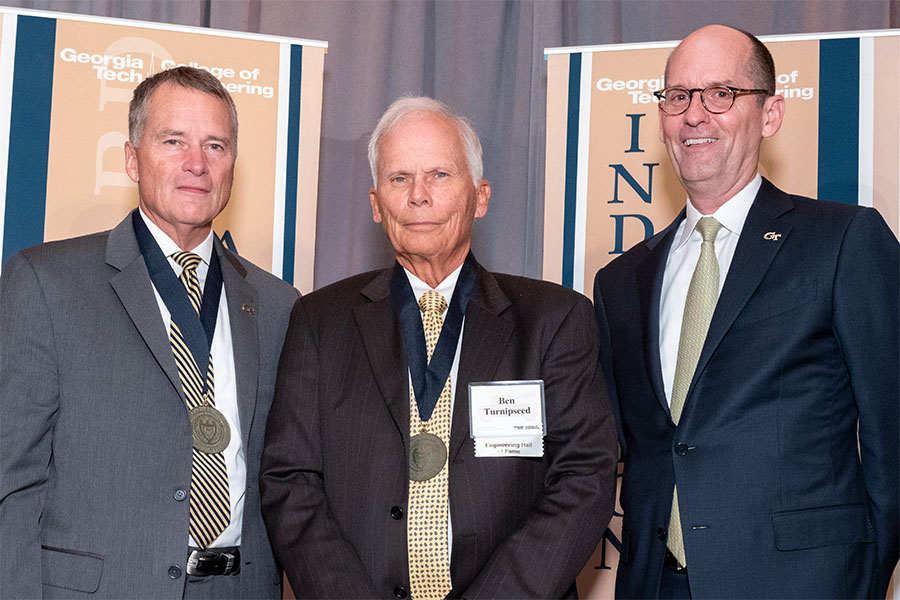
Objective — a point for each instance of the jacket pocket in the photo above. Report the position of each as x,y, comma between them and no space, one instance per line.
826,526
768,304
71,569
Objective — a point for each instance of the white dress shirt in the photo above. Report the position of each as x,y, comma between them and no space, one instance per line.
225,389
445,289
680,266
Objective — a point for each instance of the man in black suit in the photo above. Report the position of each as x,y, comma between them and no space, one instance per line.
350,451
753,359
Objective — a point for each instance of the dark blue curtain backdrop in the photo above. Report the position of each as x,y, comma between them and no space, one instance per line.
484,58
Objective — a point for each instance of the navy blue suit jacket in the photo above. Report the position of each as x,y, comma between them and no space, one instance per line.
776,497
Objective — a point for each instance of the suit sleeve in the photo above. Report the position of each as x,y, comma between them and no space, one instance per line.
29,399
866,309
318,560
606,358
567,520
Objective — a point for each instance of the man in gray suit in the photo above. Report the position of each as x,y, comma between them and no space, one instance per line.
126,469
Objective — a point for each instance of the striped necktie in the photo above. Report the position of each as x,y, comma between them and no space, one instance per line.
702,295
427,541
210,505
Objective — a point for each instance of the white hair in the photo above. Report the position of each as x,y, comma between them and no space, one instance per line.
406,106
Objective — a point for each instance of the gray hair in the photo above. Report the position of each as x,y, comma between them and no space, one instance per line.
186,77
410,105
761,66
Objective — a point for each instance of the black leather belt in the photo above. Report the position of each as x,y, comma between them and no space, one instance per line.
671,564
213,561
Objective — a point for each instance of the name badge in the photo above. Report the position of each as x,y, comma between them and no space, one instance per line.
506,418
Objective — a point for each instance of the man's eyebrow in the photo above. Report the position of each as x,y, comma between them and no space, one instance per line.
716,83
217,138
171,132
210,138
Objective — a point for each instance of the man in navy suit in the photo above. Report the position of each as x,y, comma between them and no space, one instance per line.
754,365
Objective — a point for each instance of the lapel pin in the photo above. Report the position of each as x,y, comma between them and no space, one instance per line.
772,236
248,309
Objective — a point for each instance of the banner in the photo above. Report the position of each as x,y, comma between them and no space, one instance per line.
609,183
65,85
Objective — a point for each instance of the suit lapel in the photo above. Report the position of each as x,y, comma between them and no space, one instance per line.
485,336
132,285
649,278
752,258
242,317
381,338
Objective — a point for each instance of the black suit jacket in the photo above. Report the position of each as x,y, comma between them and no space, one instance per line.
334,475
801,353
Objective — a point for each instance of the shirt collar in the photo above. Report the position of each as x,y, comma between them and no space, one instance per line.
169,247
731,215
444,288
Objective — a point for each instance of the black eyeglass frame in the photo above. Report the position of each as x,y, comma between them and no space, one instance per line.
735,92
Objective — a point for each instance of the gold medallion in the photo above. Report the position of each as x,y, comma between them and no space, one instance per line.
209,429
427,455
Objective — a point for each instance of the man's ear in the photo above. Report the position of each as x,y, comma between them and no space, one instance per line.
773,111
131,162
376,212
482,197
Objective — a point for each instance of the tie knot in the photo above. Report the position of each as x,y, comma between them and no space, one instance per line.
187,260
432,301
708,228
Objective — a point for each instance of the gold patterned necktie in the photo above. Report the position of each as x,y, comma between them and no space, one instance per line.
702,295
429,560
210,505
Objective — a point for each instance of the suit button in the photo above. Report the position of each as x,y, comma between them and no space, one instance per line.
396,513
400,592
681,449
174,572
662,534
179,495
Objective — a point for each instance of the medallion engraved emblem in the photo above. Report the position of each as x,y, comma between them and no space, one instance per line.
427,455
209,429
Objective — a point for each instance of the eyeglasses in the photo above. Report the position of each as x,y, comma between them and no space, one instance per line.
716,98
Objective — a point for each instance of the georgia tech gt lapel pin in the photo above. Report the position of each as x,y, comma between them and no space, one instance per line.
772,236
248,309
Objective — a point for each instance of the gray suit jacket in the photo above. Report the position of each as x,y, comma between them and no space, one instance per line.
95,441
335,479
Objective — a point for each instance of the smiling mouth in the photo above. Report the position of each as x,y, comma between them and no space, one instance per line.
695,141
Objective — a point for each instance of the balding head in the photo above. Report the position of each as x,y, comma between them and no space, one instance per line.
718,39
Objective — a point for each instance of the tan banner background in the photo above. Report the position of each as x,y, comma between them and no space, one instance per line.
622,188
96,63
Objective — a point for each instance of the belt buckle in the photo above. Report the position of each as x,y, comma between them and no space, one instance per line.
193,562
202,563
